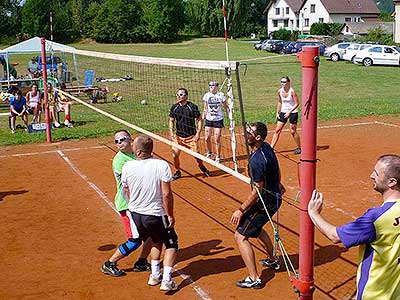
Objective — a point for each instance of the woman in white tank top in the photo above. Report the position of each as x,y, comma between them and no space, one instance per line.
34,103
288,102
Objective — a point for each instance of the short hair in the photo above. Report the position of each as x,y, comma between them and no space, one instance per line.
34,84
19,92
392,166
124,131
144,143
261,129
184,89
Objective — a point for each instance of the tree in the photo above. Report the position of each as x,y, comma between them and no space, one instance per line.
163,19
10,21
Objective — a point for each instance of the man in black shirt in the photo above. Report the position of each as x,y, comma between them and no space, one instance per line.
185,114
251,216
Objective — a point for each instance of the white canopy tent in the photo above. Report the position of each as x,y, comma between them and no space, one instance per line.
33,45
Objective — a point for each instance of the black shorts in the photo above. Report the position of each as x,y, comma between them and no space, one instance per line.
292,118
253,220
215,124
155,227
15,115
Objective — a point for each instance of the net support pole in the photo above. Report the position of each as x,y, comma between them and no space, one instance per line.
304,285
46,107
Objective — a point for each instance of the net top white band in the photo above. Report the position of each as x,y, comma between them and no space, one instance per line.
197,64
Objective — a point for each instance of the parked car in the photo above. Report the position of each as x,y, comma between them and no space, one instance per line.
267,45
379,55
258,45
298,46
351,51
277,46
336,51
288,48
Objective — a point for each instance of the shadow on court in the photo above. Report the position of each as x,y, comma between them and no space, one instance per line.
206,248
9,193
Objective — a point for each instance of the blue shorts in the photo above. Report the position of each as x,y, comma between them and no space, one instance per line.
215,124
292,118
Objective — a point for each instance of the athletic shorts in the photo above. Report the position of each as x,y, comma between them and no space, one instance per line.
187,142
155,227
253,220
14,114
292,118
215,124
129,225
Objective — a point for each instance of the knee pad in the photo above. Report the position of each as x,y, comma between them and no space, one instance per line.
129,246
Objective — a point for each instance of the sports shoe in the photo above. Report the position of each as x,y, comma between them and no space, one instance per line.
249,283
141,267
13,131
273,264
154,280
56,124
66,122
70,125
110,268
218,159
205,171
177,175
209,154
168,286
297,151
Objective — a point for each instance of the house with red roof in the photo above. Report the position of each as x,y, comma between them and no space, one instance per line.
301,14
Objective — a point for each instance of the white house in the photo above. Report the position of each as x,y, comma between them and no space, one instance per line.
396,34
337,11
283,14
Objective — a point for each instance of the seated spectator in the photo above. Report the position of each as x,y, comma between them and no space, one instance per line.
52,100
33,68
34,103
65,106
17,108
12,71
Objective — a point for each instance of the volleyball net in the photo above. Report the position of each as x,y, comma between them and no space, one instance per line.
139,92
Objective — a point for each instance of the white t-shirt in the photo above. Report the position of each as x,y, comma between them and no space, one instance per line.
144,179
214,105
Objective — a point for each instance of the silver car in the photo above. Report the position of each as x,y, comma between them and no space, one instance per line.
336,51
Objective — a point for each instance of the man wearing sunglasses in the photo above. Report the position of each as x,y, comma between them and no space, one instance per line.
260,205
184,115
214,101
122,140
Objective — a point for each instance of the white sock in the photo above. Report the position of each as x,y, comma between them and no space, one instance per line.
155,267
167,273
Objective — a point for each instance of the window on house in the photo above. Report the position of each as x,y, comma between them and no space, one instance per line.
277,11
312,8
321,20
347,19
287,10
297,23
275,23
291,23
306,22
285,23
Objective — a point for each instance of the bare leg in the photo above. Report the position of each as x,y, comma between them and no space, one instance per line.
116,256
217,137
266,243
296,137
13,123
247,253
207,138
169,257
146,248
25,119
277,133
175,155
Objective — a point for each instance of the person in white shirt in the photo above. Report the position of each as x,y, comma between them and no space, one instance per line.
33,68
146,182
214,101
288,102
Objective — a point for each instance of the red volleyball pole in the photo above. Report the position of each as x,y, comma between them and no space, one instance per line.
304,285
44,73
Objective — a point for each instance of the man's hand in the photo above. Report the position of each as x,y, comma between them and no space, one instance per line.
197,137
287,115
171,221
315,204
172,135
236,216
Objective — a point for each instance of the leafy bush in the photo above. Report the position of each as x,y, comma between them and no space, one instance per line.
282,34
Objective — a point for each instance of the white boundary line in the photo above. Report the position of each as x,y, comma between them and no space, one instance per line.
193,284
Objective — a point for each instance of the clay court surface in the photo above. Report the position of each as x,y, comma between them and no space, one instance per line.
57,227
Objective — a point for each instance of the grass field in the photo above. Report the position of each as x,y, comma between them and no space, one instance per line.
345,90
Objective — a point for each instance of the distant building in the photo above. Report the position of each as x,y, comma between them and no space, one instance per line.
362,28
396,34
301,14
